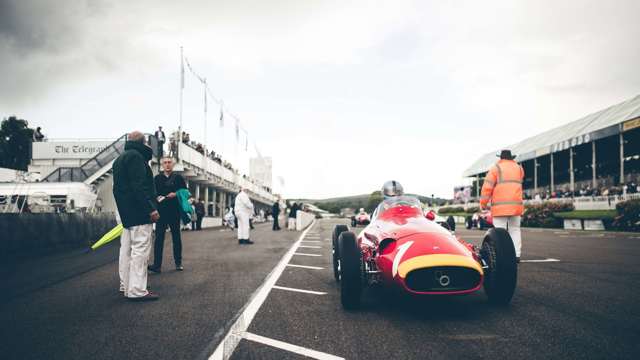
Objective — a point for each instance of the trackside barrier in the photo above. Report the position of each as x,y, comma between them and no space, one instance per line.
573,224
47,232
303,219
209,221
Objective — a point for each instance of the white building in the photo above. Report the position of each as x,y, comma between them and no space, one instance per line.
81,171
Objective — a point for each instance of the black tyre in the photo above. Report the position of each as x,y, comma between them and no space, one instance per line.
350,271
502,274
481,225
339,229
469,223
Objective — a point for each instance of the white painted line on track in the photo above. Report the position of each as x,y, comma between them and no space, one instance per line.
290,347
304,254
225,349
306,267
310,246
539,260
300,290
312,241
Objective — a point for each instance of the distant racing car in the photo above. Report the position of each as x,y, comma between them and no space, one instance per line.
403,249
480,220
362,218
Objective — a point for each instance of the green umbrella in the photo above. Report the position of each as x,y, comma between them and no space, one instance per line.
108,237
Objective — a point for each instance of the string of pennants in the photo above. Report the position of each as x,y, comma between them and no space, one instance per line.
223,109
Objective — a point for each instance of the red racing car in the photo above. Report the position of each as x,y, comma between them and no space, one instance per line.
362,218
402,248
480,220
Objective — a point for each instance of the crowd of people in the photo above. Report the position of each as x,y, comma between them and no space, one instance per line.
199,147
585,191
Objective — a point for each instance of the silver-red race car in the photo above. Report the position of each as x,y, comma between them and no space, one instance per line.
403,249
362,218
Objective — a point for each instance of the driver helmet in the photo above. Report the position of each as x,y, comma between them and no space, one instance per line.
392,188
361,210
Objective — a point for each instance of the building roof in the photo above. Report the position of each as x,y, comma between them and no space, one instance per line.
594,126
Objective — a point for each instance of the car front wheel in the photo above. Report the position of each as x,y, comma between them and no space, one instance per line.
501,275
351,277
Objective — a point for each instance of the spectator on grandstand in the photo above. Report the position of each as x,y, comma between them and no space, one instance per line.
38,136
159,134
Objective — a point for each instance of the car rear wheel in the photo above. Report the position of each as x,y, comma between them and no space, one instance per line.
501,276
350,271
469,222
339,229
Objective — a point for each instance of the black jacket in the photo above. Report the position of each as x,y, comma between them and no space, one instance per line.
199,209
133,184
293,211
168,208
275,209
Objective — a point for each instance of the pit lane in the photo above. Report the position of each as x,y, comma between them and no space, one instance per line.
576,298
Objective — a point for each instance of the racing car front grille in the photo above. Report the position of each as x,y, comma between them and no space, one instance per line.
442,279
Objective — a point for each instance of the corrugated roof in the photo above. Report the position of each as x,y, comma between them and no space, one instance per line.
578,129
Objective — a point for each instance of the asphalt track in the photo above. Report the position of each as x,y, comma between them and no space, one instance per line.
583,306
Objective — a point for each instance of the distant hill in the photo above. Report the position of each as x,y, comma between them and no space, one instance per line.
356,202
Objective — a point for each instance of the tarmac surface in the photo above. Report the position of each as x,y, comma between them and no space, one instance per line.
579,301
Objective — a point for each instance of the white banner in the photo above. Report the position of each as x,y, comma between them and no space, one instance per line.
68,149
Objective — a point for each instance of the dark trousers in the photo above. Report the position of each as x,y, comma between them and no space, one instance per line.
160,149
158,247
276,224
199,222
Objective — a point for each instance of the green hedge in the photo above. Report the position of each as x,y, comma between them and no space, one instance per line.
472,210
450,210
543,215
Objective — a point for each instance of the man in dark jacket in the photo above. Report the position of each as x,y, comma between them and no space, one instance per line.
161,140
200,214
275,212
167,184
135,197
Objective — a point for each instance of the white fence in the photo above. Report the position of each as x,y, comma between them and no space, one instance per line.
580,203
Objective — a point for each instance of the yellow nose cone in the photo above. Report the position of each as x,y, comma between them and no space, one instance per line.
426,261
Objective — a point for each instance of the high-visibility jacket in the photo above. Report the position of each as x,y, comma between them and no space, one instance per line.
502,189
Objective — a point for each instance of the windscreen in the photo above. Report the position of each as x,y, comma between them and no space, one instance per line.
397,201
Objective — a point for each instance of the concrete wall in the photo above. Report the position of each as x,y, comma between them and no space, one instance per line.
44,233
303,219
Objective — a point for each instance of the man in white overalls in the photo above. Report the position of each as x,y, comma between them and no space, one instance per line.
244,211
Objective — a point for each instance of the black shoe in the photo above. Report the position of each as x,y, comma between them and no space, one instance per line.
248,242
179,268
154,269
517,260
241,241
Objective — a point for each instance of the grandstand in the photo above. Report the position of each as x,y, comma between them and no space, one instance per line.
596,155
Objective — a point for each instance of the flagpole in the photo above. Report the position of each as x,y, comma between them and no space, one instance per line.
205,127
222,154
181,97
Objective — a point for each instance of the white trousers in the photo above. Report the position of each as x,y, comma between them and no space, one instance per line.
243,226
512,225
292,223
135,247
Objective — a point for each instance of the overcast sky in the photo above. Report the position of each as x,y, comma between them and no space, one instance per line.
342,94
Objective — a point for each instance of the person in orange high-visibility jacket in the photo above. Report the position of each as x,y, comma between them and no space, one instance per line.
502,192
